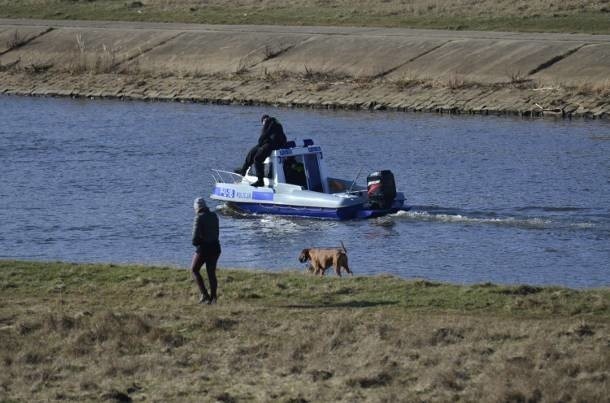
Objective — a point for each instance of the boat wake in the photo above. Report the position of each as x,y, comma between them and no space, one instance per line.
549,217
280,224
535,218
228,211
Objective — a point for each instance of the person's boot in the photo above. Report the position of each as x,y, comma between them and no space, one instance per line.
260,182
205,298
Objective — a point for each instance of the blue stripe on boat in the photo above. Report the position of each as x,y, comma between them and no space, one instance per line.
262,195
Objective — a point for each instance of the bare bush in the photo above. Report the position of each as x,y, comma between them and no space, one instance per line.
16,40
310,74
106,60
37,68
79,62
242,66
516,77
455,82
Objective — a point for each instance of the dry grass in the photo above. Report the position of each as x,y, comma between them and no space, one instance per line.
410,80
85,60
99,332
599,89
452,82
456,82
317,79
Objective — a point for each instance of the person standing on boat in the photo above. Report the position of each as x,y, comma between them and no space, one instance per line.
272,138
205,238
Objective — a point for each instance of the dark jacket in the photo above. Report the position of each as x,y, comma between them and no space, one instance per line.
205,229
273,134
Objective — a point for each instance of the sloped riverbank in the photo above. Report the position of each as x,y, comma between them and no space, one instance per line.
351,68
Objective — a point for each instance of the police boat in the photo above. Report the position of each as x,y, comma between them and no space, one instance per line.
297,184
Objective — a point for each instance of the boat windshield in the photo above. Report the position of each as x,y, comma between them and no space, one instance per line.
303,170
312,170
294,171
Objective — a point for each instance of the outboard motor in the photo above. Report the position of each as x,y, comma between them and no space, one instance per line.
381,189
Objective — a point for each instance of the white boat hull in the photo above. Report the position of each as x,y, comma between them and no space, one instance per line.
299,203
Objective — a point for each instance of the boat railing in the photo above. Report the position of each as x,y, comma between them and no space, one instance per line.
221,176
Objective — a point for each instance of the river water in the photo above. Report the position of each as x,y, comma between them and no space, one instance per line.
494,199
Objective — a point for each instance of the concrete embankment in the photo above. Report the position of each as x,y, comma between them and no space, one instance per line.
371,68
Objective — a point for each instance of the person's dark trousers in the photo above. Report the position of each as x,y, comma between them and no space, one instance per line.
249,159
259,158
208,257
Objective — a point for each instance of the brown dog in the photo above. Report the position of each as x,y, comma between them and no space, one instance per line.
321,259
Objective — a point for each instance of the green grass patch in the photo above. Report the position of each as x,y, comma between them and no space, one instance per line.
300,290
589,17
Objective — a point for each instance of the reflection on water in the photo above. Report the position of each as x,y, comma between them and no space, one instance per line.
493,199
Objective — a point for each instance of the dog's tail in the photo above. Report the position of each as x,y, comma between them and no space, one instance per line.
343,246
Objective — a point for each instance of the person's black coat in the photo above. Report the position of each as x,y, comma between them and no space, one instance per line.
273,134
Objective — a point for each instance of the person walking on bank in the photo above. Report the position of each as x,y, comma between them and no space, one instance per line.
272,138
205,238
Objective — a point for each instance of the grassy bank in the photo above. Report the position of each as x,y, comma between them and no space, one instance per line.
108,332
585,16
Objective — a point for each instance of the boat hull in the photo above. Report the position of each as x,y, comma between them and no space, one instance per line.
396,206
299,203
343,213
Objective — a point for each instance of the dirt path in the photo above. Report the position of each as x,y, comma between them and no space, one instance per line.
370,68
